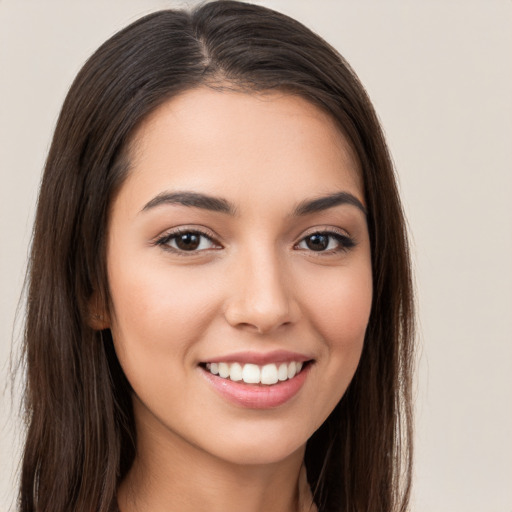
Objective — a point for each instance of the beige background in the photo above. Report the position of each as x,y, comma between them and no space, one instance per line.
440,75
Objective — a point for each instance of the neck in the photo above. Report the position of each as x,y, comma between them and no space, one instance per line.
213,490
171,475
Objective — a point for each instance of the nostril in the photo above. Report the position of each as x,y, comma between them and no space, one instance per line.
263,304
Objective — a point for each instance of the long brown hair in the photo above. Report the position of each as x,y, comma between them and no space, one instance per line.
81,435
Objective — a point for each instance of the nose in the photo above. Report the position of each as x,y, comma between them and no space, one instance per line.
261,297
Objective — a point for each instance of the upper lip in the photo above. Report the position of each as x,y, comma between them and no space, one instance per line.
260,358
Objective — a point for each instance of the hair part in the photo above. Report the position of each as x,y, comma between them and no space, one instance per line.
81,434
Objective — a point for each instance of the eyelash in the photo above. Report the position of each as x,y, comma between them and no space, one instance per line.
344,242
164,240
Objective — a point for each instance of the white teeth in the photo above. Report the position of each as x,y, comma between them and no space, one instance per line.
224,370
269,374
235,372
253,374
282,373
292,370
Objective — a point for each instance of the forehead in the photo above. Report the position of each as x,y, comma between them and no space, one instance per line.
231,141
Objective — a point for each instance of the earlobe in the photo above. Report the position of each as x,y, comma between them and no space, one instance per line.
97,317
98,322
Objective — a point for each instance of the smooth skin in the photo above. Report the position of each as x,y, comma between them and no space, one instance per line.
189,284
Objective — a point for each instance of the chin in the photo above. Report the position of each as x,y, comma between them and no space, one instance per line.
257,456
267,446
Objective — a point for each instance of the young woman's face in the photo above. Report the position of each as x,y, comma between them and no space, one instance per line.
239,271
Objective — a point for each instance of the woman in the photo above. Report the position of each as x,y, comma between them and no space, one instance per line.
220,303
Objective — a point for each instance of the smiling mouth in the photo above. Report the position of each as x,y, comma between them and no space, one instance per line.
266,375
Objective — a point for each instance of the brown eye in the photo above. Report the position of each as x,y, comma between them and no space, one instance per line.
317,242
188,241
326,242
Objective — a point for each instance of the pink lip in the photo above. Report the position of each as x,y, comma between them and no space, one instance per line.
276,356
257,396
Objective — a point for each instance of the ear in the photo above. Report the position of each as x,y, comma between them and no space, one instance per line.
97,316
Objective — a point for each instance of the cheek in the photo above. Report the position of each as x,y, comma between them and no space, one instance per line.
159,318
340,307
159,308
346,315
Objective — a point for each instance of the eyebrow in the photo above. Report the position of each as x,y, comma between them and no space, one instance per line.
218,204
192,199
326,202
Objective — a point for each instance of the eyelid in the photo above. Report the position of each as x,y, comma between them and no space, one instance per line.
324,229
345,240
162,239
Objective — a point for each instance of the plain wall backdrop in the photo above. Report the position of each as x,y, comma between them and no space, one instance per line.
440,76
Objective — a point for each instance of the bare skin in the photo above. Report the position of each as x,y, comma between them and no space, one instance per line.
193,480
263,274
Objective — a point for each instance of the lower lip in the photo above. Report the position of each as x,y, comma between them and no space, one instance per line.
258,396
